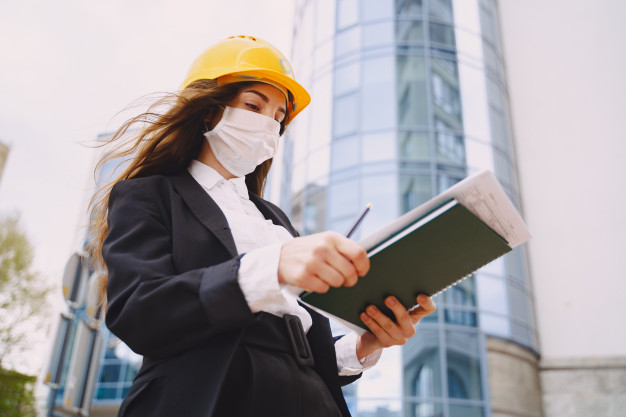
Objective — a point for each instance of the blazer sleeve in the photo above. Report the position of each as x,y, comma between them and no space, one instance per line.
156,310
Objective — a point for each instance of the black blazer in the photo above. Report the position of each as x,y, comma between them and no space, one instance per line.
173,295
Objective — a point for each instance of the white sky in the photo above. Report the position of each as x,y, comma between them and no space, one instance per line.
67,67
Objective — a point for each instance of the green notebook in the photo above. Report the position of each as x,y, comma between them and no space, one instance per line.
426,257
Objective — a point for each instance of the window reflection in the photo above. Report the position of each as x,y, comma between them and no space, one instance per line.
414,190
466,411
460,317
118,369
440,10
442,35
463,365
414,144
410,30
412,92
424,409
409,7
462,294
422,366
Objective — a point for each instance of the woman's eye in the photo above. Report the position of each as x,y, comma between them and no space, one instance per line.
253,106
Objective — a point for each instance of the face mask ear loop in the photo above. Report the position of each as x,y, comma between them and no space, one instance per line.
206,128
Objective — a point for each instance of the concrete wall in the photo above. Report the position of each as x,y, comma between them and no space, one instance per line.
515,389
565,68
565,65
584,387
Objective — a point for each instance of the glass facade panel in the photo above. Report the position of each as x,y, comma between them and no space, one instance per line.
440,10
348,41
376,190
347,13
379,147
460,317
441,35
376,10
347,78
421,360
377,94
462,294
414,190
492,293
407,123
412,91
423,409
414,145
346,115
495,325
463,370
318,165
409,8
343,199
466,411
345,153
378,34
410,30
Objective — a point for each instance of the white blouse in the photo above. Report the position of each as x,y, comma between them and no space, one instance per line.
261,241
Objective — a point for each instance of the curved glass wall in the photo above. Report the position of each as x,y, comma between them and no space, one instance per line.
409,97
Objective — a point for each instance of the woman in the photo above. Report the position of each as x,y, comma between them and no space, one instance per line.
202,272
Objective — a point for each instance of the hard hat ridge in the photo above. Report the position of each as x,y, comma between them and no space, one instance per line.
247,58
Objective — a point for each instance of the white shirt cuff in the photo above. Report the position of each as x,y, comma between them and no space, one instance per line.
347,361
258,277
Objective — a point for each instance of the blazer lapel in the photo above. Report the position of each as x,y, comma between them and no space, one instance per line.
272,213
205,209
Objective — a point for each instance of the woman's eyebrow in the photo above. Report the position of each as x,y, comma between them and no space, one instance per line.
265,99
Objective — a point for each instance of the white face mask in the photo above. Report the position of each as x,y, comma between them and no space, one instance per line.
243,139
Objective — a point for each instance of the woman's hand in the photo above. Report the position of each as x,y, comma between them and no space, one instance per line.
320,261
384,332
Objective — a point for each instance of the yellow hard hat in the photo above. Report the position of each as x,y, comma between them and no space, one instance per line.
246,58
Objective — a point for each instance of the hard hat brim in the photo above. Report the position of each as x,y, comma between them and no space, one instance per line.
301,97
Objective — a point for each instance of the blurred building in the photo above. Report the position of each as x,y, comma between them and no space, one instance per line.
410,96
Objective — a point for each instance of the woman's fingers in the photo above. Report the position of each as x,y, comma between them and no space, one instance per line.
329,257
353,252
388,332
426,306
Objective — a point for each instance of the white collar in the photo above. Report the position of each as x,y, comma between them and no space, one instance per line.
209,178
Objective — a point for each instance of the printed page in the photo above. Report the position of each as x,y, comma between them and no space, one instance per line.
479,193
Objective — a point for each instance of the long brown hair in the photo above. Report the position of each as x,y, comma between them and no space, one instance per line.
165,144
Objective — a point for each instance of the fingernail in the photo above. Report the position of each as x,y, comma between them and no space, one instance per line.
391,301
371,310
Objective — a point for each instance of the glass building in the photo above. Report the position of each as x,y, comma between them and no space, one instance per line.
409,97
